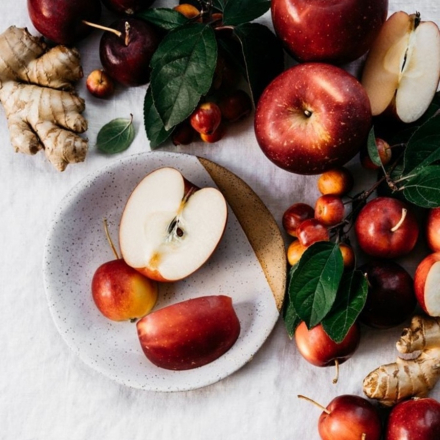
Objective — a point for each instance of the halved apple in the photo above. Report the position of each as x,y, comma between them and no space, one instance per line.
402,70
427,284
169,227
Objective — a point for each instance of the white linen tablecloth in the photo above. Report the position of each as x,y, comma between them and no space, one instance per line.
48,393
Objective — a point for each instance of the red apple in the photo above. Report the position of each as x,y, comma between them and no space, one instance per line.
61,21
127,7
333,31
415,419
99,84
427,284
295,215
432,229
329,209
206,118
337,181
183,134
215,136
126,58
349,417
310,231
189,334
121,293
391,299
235,106
386,228
312,118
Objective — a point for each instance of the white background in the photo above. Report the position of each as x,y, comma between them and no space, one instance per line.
47,393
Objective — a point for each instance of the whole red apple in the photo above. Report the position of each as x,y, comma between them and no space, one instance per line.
189,334
329,209
99,84
432,229
310,231
121,293
415,419
312,118
127,58
337,31
391,299
386,228
427,284
61,21
349,417
338,181
206,118
127,7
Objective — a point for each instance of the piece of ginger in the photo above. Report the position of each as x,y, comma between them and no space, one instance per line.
405,378
37,94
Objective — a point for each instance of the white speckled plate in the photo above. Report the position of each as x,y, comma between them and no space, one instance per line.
76,246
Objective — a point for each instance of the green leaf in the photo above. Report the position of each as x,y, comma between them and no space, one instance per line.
420,153
241,11
115,136
219,4
423,189
314,284
263,56
163,18
156,132
350,301
291,318
182,71
372,148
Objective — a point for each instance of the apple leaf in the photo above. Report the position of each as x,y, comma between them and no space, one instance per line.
263,56
350,301
115,136
423,189
241,11
290,316
163,18
314,284
156,132
372,148
182,71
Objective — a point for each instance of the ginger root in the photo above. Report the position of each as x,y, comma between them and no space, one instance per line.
37,93
392,383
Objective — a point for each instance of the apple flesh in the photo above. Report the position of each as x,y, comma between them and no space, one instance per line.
61,21
402,70
427,284
391,299
312,118
127,58
127,7
331,31
189,334
415,419
386,228
121,293
169,227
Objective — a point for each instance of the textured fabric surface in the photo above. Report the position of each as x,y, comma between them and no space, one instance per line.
47,393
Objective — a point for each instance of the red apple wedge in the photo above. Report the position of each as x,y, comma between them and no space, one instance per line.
427,284
169,227
190,333
402,70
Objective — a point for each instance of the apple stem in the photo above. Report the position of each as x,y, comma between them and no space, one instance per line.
335,379
300,396
104,28
308,113
127,33
402,219
364,436
110,241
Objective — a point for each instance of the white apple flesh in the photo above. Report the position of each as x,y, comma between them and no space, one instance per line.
169,227
427,284
402,70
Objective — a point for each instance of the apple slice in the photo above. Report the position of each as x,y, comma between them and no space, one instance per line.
169,227
190,333
402,70
427,282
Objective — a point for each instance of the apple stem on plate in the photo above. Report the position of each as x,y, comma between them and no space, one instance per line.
402,219
110,241
324,409
104,28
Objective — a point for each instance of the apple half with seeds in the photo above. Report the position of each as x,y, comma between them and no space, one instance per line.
402,70
170,227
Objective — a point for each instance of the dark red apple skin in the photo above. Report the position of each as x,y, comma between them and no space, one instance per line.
416,419
433,229
391,299
189,334
335,31
337,126
317,348
310,231
60,21
129,64
350,417
373,228
295,215
127,7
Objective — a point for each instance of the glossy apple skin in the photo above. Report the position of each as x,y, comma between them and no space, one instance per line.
433,229
329,209
415,419
121,293
60,21
317,348
206,118
127,7
129,64
350,417
99,84
189,334
391,299
294,215
312,118
420,276
310,231
335,31
338,181
373,228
